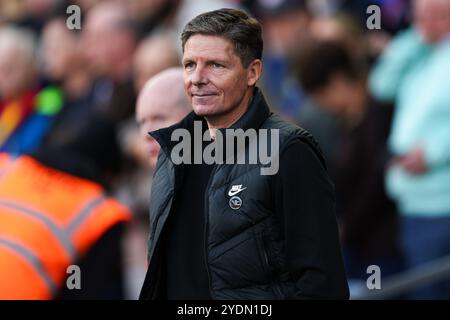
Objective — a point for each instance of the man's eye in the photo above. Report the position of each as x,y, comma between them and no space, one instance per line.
217,65
188,65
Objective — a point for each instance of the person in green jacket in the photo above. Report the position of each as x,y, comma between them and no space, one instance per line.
414,72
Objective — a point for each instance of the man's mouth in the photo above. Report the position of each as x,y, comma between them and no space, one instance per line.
203,94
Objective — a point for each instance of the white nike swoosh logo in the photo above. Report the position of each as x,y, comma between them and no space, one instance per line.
232,193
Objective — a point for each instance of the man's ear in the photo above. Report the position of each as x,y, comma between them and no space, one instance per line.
254,71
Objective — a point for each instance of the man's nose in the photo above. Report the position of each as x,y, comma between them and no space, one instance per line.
198,76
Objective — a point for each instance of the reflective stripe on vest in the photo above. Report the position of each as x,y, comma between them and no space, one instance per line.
40,239
63,235
31,259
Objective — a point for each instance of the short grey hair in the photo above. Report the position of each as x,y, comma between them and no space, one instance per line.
234,25
18,39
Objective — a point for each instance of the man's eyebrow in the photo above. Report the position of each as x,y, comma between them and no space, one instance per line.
221,61
208,61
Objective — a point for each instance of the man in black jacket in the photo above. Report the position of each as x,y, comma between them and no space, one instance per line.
227,230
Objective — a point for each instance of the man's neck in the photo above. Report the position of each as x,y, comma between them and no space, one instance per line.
356,111
77,85
227,120
121,72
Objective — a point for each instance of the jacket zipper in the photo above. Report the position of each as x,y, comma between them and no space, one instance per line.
206,230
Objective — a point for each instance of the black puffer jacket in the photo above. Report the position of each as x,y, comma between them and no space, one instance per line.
244,247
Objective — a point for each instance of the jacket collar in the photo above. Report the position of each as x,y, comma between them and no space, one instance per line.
257,112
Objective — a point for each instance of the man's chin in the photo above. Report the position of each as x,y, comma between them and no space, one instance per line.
204,110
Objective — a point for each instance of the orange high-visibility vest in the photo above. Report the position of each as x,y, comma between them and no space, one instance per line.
48,220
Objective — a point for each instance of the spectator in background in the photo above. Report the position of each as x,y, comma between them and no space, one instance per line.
344,29
149,60
414,73
286,29
153,111
27,107
109,41
34,13
368,219
149,15
64,64
161,103
319,120
55,212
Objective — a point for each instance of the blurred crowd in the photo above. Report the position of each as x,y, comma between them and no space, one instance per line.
378,102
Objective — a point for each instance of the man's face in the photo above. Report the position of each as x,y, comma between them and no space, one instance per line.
16,73
59,50
149,61
286,31
105,43
432,19
154,112
98,44
339,95
215,80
